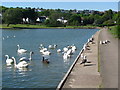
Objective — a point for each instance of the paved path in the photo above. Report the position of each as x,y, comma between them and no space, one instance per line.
86,76
109,60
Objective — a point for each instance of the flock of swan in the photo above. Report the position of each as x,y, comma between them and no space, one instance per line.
67,52
23,61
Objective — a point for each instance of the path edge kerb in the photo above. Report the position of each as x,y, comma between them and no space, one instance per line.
62,82
60,85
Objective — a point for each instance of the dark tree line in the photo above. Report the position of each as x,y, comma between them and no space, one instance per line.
74,18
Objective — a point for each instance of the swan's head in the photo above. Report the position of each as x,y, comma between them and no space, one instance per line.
13,58
31,52
6,56
18,45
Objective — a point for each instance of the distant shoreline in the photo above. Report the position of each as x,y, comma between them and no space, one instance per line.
24,26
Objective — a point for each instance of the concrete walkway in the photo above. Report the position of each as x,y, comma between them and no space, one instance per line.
109,60
86,76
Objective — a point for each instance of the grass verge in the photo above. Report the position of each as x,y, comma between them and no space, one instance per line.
115,31
42,26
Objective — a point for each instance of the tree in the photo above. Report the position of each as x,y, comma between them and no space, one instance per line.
12,16
75,20
45,13
88,20
30,13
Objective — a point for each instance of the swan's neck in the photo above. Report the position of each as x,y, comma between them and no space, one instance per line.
14,62
18,47
30,56
43,58
7,56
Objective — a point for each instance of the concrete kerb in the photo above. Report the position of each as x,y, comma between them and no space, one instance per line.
60,85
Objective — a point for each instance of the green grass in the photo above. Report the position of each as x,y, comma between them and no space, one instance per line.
114,31
40,26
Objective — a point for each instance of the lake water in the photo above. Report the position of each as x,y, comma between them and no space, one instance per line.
40,75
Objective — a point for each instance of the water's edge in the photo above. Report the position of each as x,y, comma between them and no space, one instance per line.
60,85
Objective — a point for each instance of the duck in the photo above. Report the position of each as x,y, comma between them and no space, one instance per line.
21,50
9,61
21,64
45,60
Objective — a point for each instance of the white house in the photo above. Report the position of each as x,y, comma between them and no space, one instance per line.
62,20
26,20
41,19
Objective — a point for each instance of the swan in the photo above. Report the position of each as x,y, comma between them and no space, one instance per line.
100,42
25,58
8,60
3,38
66,56
59,50
22,64
46,53
73,48
69,52
43,50
7,36
84,60
65,49
52,46
21,50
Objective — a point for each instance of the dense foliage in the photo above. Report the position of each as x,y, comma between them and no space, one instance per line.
73,17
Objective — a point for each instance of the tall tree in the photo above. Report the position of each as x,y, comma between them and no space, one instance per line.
75,20
12,16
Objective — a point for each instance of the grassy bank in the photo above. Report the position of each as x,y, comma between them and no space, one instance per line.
115,30
4,26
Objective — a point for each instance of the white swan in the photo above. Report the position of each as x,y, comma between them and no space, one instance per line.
22,64
59,50
8,60
65,49
25,58
46,53
73,48
52,46
43,50
21,50
66,56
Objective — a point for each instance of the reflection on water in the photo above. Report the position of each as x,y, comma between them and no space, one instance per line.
39,74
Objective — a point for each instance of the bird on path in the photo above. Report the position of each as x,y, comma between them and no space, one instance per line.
84,60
